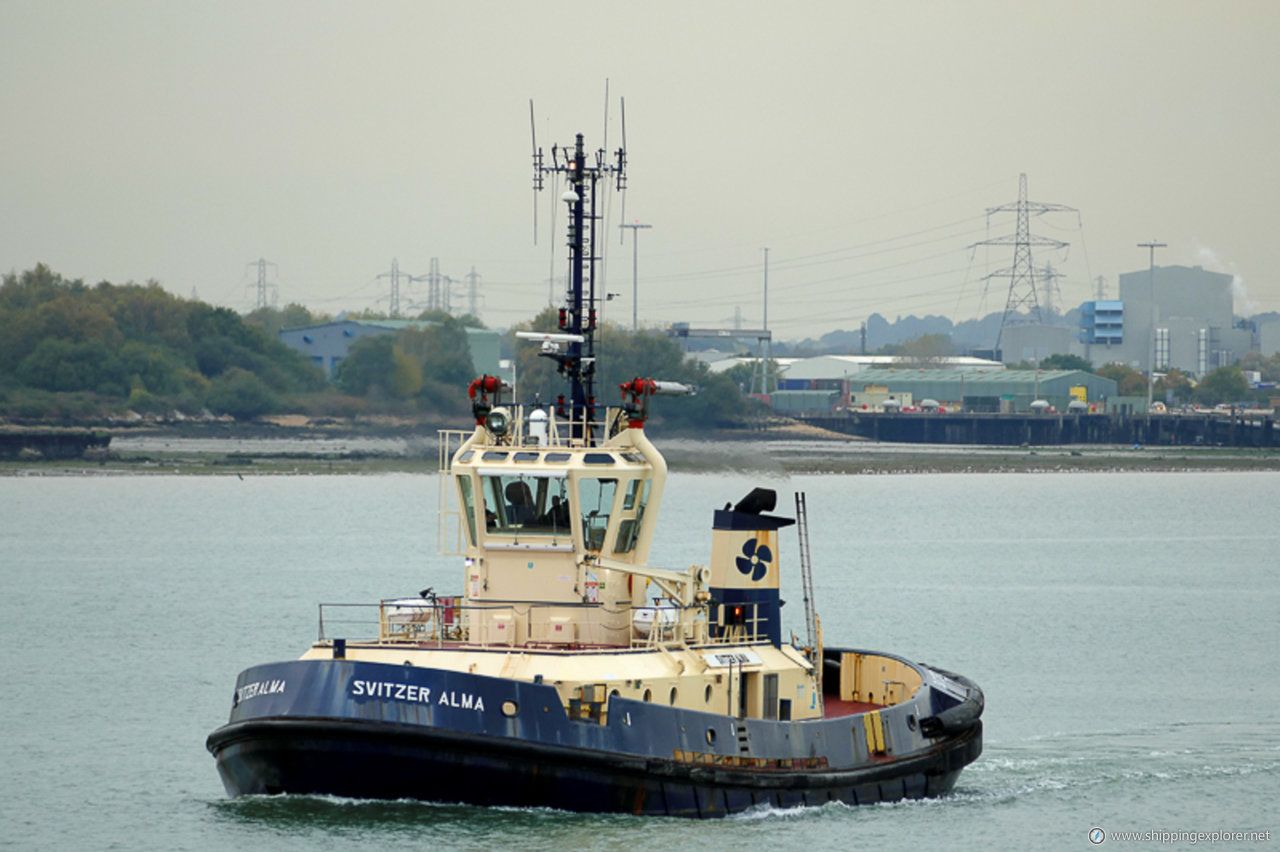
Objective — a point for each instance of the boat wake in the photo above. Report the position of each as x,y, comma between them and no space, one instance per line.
1170,755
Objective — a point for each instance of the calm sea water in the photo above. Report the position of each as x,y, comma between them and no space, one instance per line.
1123,626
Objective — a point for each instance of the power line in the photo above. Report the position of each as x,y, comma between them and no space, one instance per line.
801,261
842,278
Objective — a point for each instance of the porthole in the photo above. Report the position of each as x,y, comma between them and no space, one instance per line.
911,721
711,736
672,699
510,709
613,693
648,695
706,694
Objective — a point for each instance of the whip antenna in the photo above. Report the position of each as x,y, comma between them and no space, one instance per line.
537,169
622,153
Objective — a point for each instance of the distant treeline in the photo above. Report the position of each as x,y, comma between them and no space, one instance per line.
75,352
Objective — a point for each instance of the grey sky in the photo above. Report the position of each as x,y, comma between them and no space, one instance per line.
861,142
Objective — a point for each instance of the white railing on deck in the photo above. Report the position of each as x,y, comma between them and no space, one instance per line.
445,621
559,432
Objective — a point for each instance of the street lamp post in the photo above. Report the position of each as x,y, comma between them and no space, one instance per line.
768,353
635,272
1151,283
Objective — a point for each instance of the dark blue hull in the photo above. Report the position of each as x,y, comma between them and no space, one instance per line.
361,760
312,727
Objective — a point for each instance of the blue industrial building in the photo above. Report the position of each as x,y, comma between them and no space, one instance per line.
1102,322
327,343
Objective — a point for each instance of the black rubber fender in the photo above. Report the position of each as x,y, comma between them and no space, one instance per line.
960,717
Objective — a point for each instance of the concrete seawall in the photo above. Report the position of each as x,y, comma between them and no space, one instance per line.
1234,429
50,444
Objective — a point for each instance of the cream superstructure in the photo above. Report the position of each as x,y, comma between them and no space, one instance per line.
555,540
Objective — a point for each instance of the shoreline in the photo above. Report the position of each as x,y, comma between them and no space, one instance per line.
776,453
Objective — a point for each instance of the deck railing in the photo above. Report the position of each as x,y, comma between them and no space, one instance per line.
445,620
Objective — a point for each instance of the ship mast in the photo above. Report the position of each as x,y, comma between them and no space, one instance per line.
577,319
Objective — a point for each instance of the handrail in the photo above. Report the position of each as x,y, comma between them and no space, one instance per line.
546,625
559,431
450,440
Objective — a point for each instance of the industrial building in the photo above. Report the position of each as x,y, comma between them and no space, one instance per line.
799,373
1179,315
1189,308
830,382
949,389
1033,343
1194,323
326,344
1269,338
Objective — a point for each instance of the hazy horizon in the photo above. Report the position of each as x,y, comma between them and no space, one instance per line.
861,143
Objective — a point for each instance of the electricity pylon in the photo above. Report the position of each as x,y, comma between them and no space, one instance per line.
1023,274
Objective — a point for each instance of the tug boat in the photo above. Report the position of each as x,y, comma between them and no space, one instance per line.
568,672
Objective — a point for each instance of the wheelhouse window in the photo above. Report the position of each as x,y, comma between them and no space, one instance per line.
468,506
633,503
532,503
595,500
636,488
